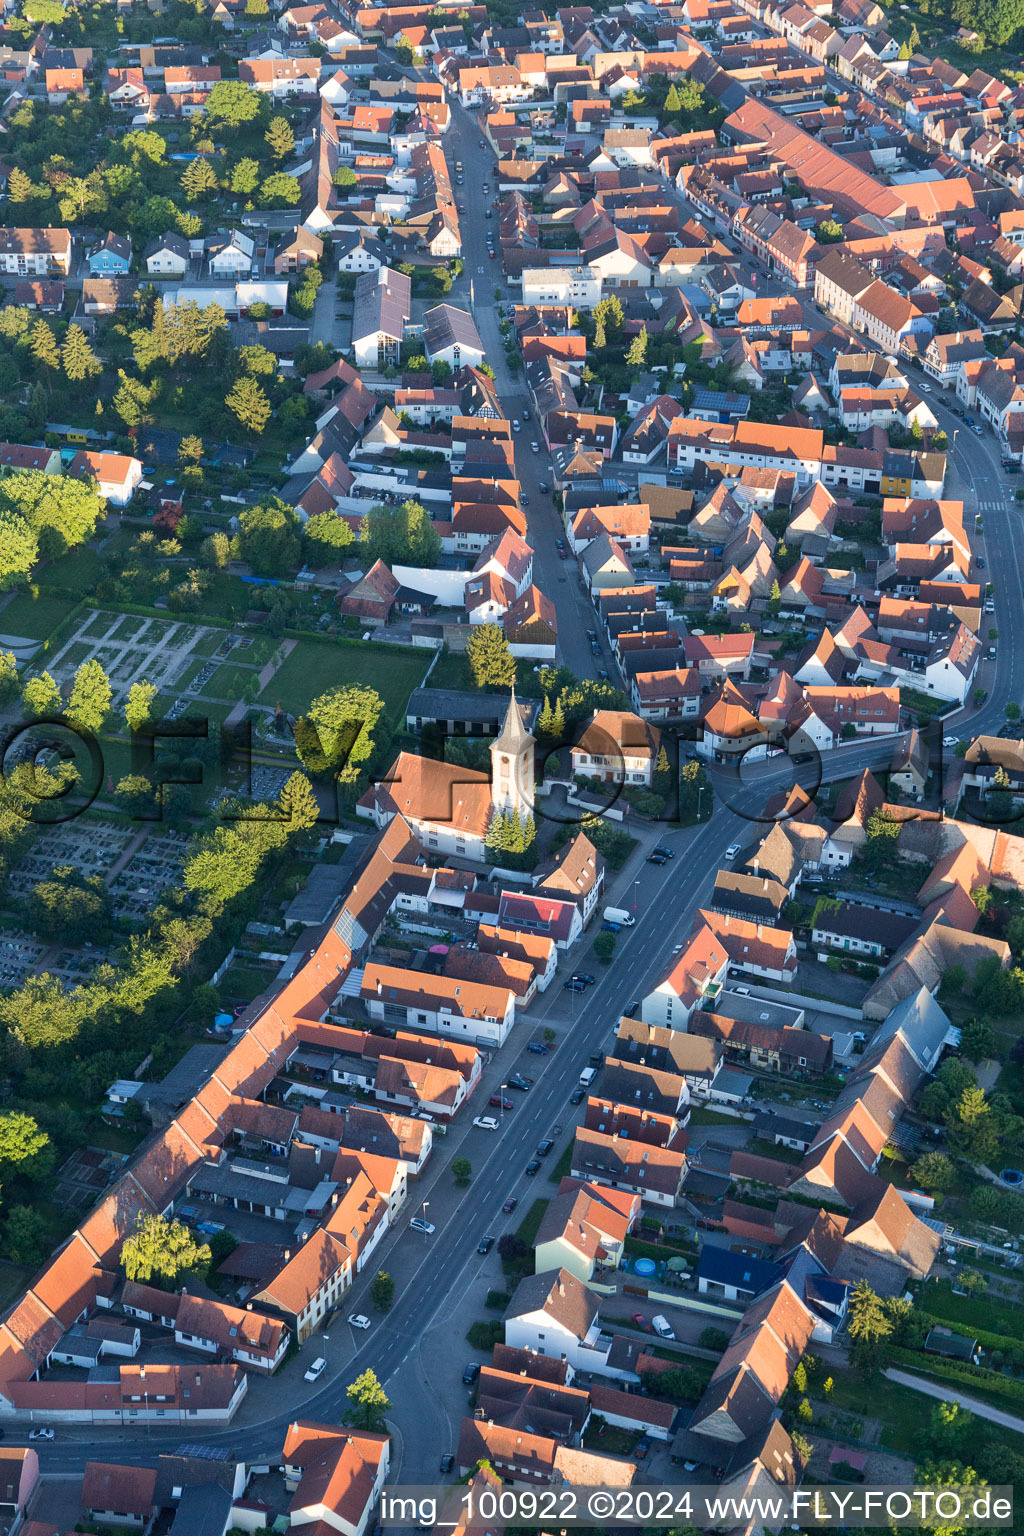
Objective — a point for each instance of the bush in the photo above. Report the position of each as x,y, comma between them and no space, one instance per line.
604,947
484,1336
713,1338
498,1299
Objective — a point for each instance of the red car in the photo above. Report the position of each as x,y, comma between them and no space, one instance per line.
639,1321
498,1102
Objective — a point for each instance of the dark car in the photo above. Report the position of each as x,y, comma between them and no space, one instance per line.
485,1245
595,649
537,1048
602,674
577,1096
497,1101
656,858
524,1084
666,853
591,634
642,1446
574,985
979,561
447,1461
611,927
583,976
544,1147
533,1167
563,554
544,486
471,1372
632,1011
510,1203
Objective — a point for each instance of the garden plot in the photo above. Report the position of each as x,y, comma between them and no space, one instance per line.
132,649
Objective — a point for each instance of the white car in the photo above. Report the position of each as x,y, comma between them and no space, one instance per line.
419,1225
40,1434
535,447
732,850
663,1327
516,424
485,1123
316,1370
358,1320
949,741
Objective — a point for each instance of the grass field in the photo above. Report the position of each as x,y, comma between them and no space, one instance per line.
312,668
76,573
229,681
33,618
990,1312
905,1414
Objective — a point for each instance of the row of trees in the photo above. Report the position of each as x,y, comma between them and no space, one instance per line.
41,517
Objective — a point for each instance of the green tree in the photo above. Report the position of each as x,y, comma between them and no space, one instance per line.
60,511
248,401
279,137
972,1130
402,534
135,796
26,1237
382,1290
19,548
70,906
232,104
933,1172
269,538
868,1328
10,683
91,694
637,353
673,105
713,1338
462,1170
829,231
490,658
79,359
215,552
190,449
43,346
978,1039
280,191
138,705
42,697
257,360
245,177
19,186
299,803
325,537
24,1148
161,1251
369,1402
604,947
336,734
198,179
344,177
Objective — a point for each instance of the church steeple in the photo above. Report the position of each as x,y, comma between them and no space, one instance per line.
512,763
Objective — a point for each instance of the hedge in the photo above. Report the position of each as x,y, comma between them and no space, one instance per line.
1001,1341
639,1249
960,1372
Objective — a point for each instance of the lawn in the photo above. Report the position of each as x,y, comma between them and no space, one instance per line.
76,573
229,682
33,618
453,671
711,1117
312,668
985,1311
905,1415
530,1224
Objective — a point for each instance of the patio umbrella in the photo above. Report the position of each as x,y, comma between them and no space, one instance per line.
677,1264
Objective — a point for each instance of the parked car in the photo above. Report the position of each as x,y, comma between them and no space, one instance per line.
645,1442
577,1096
532,1167
510,1204
419,1225
544,1147
359,1320
583,976
535,447
316,1370
639,1321
611,928
979,561
543,486
40,1434
485,1245
732,851
516,424
447,1461
663,1327
537,1048
563,553
574,985
471,1372
633,1009
656,858
666,853
498,1101
482,1123
949,741
517,1080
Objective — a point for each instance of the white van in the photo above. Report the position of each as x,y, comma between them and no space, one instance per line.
663,1327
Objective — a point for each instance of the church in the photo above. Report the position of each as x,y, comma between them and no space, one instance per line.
450,807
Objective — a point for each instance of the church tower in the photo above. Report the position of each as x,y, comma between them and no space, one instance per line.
512,764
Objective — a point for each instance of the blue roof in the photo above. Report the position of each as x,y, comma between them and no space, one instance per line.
723,1267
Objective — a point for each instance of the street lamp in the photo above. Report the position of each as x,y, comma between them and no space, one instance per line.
700,791
636,899
425,1205
501,1095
